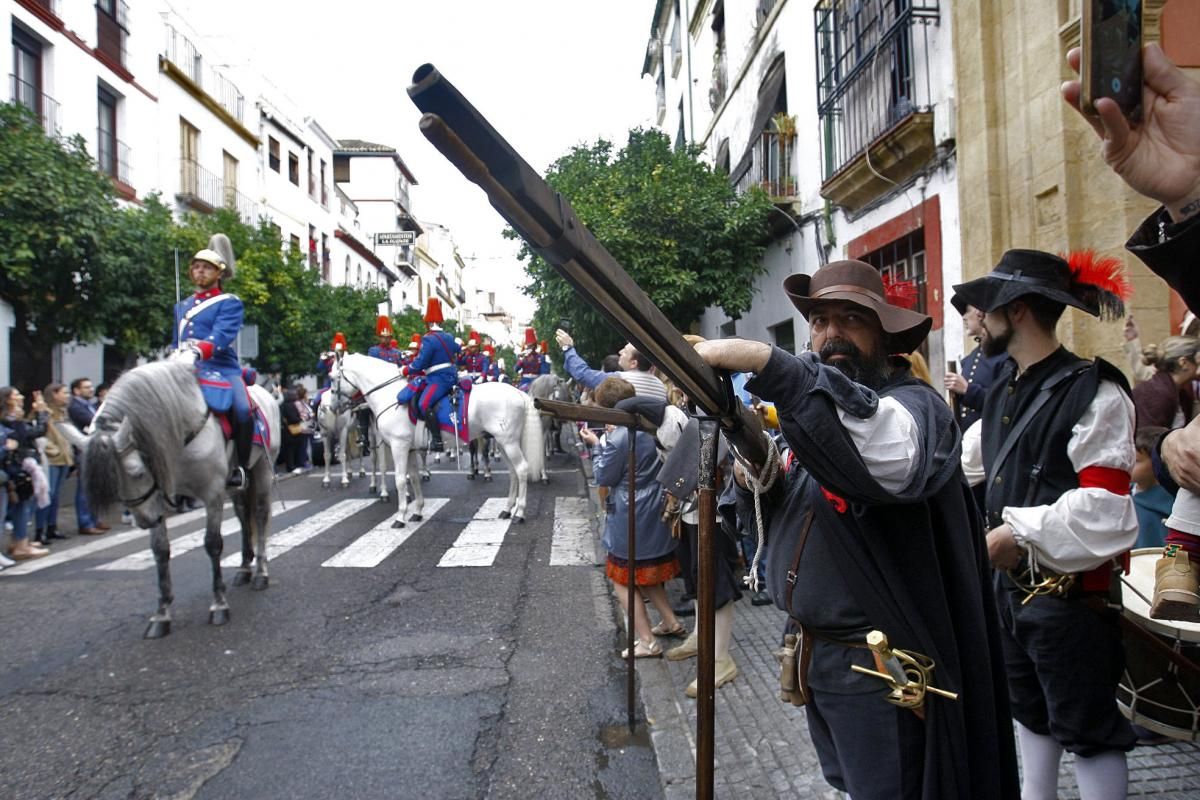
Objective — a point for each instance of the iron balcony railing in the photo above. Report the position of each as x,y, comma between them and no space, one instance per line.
873,71
773,166
43,106
113,157
179,50
205,190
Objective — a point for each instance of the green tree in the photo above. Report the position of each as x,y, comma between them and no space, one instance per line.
679,229
55,212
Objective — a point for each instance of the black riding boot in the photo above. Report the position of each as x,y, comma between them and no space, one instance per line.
435,435
364,432
243,436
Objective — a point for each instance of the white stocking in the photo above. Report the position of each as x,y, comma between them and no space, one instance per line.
723,624
1102,777
1039,765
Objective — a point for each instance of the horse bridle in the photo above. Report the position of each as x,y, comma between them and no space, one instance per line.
154,487
342,377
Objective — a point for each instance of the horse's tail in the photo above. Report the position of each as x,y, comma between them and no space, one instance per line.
531,439
100,469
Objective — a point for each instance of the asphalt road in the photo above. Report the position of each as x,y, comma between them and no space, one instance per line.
403,679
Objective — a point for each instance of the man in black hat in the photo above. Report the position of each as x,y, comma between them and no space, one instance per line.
874,529
1057,451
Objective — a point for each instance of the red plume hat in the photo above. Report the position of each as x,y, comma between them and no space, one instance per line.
415,342
339,342
530,337
473,338
433,311
383,325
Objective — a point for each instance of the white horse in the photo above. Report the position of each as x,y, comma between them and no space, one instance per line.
155,442
336,417
495,408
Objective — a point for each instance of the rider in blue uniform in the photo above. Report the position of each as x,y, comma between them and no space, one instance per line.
473,362
386,349
529,365
491,370
544,355
438,359
206,330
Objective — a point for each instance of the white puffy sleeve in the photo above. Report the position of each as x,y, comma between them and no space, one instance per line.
1087,526
972,454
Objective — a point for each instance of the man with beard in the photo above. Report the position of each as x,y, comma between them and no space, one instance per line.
1057,451
873,529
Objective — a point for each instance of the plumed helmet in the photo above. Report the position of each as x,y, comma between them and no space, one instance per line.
433,311
473,339
487,348
530,337
339,342
415,342
543,347
219,253
383,325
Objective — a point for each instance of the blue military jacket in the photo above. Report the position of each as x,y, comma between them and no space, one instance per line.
438,351
391,355
212,326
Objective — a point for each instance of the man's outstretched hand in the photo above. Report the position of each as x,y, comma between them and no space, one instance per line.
1158,157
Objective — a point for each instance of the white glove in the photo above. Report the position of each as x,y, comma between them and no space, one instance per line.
185,355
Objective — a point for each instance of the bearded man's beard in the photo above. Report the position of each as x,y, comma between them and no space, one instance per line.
995,344
871,371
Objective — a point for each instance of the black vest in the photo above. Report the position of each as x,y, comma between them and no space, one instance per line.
1034,469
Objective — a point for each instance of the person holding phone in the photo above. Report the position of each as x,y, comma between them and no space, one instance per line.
968,386
20,450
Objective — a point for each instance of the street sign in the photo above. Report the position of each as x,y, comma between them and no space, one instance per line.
400,238
247,341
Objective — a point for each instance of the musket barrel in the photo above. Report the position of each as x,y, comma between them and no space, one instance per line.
548,224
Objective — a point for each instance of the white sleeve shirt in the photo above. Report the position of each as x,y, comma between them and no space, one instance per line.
887,441
1086,526
972,454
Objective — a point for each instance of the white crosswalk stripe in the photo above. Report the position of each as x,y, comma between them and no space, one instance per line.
480,541
301,532
99,545
144,559
370,549
572,541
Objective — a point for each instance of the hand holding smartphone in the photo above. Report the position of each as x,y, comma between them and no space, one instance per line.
1111,63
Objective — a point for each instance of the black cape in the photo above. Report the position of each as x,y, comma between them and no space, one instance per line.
915,561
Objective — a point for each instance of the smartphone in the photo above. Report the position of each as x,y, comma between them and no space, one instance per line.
952,366
565,324
1111,62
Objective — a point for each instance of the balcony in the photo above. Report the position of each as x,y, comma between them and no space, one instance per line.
182,62
771,168
43,106
203,191
113,158
874,96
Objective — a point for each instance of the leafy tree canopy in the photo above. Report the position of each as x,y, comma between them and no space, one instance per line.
679,229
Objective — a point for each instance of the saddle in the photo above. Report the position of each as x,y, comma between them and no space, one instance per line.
450,408
218,396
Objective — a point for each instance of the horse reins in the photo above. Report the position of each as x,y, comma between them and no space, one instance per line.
154,487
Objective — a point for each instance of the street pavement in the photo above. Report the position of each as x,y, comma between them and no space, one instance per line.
461,657
465,657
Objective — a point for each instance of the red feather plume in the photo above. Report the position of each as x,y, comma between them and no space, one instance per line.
902,294
1100,281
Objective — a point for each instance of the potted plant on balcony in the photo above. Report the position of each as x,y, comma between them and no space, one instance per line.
785,133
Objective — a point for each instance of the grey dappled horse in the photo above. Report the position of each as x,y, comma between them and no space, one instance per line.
154,441
550,387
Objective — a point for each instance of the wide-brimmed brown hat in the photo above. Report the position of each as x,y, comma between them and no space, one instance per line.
859,283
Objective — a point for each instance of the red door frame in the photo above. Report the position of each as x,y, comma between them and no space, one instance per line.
927,215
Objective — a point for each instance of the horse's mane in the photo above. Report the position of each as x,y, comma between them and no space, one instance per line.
161,402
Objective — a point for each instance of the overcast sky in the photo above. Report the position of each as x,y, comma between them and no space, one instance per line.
548,74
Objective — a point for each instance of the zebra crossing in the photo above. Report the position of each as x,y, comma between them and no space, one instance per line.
477,545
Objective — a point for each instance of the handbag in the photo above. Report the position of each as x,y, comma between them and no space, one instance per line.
295,428
20,486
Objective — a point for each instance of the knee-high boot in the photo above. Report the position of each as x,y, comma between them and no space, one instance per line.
243,437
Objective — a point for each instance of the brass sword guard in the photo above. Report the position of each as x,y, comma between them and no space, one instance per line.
1049,585
916,670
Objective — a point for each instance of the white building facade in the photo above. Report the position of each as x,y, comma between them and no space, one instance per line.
159,114
842,111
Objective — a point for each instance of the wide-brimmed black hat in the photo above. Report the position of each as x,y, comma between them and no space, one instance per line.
859,283
1086,282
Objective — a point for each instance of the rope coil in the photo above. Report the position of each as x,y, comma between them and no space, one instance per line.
759,486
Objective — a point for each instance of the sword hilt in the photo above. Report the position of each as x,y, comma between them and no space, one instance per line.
907,673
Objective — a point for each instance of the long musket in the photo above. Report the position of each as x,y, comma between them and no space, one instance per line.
548,224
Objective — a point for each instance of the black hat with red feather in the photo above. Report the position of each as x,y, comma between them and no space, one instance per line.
1082,279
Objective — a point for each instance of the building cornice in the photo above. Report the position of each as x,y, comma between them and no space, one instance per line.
205,99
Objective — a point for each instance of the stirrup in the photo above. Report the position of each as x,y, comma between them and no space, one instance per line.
236,479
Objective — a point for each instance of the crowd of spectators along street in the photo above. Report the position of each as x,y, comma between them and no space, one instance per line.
989,533
37,460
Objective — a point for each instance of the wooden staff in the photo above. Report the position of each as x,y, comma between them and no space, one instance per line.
574,412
